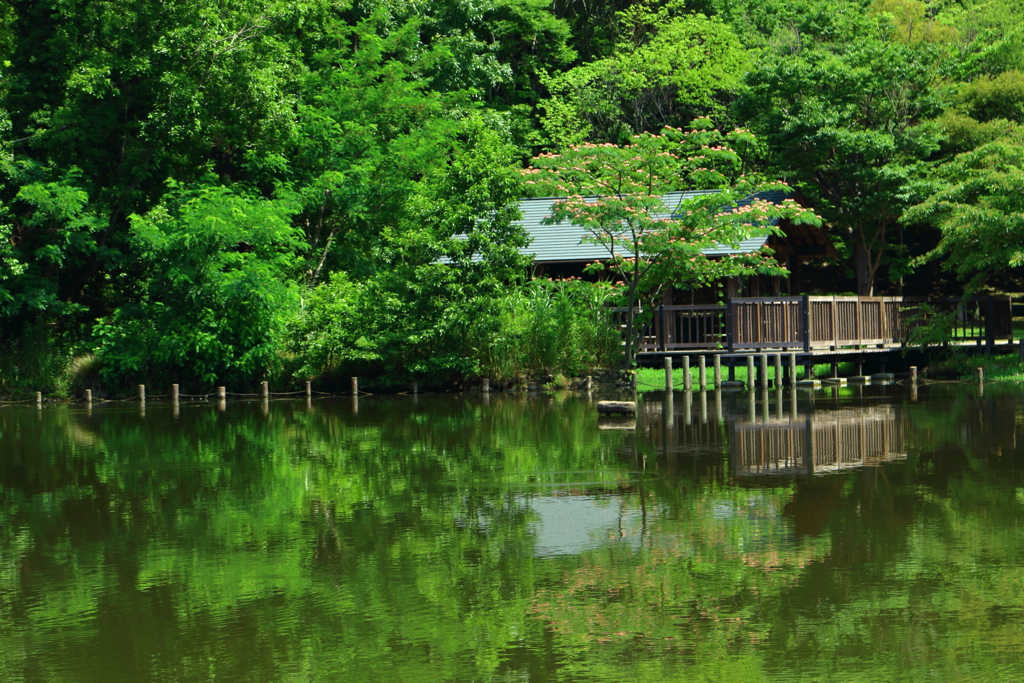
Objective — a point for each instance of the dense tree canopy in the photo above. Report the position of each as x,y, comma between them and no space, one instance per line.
385,140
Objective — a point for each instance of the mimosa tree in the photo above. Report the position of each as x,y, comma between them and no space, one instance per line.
616,194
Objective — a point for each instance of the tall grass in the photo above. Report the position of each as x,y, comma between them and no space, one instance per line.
561,326
33,360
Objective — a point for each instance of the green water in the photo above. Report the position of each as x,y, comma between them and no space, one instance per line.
452,539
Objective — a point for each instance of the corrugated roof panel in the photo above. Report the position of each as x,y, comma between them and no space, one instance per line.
564,241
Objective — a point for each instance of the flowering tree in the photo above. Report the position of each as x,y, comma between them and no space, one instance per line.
617,195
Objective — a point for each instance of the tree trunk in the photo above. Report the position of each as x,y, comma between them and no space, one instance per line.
630,324
862,266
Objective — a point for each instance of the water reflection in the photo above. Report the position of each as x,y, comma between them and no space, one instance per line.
431,538
782,441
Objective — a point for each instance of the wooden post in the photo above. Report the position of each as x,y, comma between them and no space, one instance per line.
990,324
730,327
913,374
750,374
687,380
416,387
718,370
792,369
142,392
702,372
778,371
764,370
981,375
486,387
265,389
39,398
355,386
309,388
805,316
222,393
668,374
174,392
589,385
835,369
88,395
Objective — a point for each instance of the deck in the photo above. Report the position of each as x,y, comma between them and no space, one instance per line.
818,325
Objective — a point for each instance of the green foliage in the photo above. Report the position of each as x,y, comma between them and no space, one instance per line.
979,210
560,326
841,115
217,290
666,70
432,275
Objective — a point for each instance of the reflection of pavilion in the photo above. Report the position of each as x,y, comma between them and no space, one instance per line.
821,442
766,435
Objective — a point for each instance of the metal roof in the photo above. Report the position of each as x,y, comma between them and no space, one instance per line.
563,241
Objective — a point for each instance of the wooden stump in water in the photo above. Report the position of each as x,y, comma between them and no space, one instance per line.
616,407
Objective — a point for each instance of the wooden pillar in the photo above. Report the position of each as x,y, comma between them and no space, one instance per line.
174,392
668,374
717,361
778,371
687,380
355,386
792,369
88,395
222,393
750,374
309,388
265,389
764,370
702,372
142,392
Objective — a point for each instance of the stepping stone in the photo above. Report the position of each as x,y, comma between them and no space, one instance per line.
616,407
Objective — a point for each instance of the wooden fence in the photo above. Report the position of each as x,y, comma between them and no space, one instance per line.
817,322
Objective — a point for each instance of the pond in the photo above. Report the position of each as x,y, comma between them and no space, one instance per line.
854,534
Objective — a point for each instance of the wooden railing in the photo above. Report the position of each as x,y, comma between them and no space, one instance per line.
817,322
776,322
843,321
684,327
981,319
